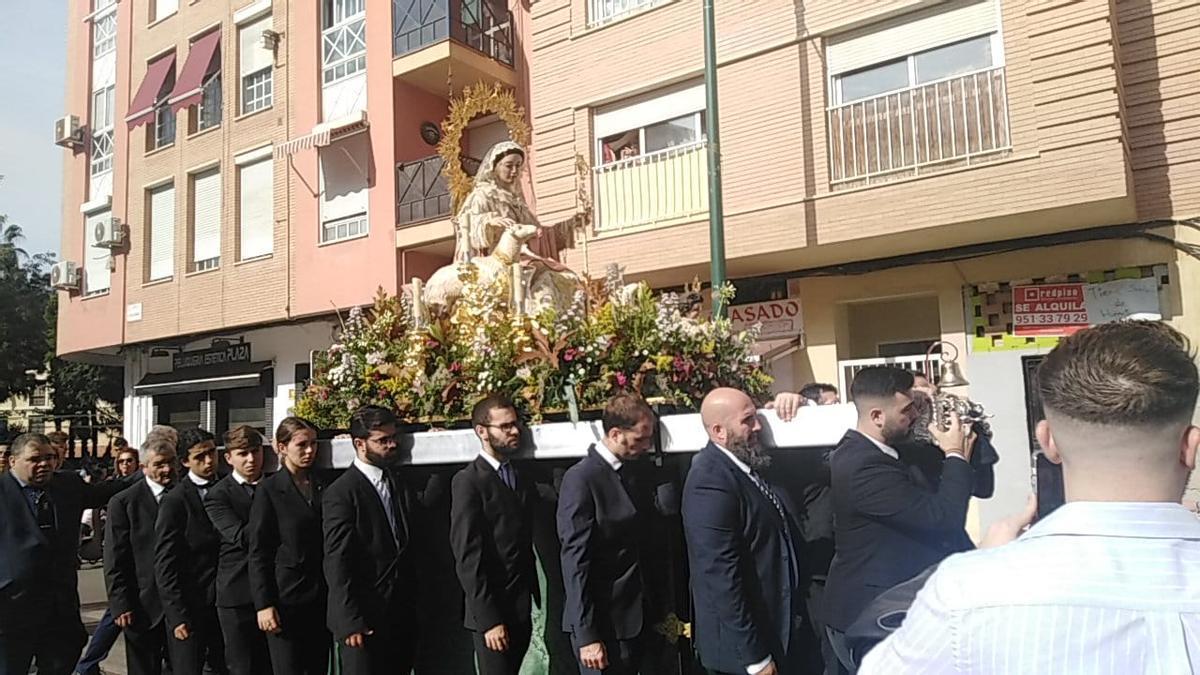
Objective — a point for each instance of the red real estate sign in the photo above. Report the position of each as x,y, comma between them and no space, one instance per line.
1049,309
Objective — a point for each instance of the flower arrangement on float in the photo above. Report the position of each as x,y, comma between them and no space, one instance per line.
612,337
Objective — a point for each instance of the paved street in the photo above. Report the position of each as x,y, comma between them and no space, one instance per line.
93,601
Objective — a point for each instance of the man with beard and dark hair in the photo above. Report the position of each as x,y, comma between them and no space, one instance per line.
745,551
491,535
888,527
369,553
605,509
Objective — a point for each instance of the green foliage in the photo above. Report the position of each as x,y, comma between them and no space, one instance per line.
24,295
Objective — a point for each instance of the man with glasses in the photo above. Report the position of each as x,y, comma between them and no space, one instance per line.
491,535
369,553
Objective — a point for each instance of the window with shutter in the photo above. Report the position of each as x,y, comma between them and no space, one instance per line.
206,220
255,66
163,9
256,209
344,189
162,233
96,276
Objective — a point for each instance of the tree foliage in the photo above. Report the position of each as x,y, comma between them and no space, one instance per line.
24,295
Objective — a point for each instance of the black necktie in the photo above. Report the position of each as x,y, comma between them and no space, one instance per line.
249,488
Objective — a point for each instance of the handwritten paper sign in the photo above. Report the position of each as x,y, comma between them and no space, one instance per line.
1062,309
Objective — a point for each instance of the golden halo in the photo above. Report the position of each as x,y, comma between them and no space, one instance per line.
477,99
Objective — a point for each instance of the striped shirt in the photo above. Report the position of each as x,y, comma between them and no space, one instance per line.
1096,587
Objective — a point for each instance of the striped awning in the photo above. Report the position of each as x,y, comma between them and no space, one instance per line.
323,134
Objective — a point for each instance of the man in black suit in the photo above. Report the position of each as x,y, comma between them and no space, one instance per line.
129,559
370,561
186,551
491,535
228,506
39,541
604,512
745,551
888,527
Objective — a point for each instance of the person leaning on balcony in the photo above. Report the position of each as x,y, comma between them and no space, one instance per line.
496,203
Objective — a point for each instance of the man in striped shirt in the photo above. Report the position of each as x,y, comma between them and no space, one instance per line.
1108,583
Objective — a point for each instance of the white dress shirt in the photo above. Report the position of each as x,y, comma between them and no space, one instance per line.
894,454
374,475
492,461
1095,587
155,489
608,456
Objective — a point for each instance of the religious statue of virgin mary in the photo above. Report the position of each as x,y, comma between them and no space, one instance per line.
495,204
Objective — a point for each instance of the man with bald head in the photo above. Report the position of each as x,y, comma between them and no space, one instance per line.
744,551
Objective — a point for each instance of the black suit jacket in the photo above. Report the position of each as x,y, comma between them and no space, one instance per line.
889,528
187,548
491,535
603,526
38,580
745,565
370,572
228,507
129,556
286,545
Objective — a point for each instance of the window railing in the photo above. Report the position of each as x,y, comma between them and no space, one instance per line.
344,49
209,111
652,189
164,127
104,35
606,11
102,151
483,25
915,363
941,124
421,190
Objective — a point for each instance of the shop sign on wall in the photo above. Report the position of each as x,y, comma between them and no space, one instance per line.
214,356
1063,309
779,318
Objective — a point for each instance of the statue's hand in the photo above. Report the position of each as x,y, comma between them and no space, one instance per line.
506,223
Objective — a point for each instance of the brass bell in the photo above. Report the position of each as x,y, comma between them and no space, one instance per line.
949,374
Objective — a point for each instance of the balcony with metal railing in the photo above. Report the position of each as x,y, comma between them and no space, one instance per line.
659,188
958,121
421,190
472,39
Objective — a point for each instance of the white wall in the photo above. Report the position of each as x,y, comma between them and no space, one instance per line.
998,383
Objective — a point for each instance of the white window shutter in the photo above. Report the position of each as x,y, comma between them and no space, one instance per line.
165,8
252,57
96,275
206,215
162,233
658,106
343,178
911,33
256,210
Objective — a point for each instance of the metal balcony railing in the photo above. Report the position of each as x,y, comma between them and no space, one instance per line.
421,190
661,186
483,25
948,122
915,363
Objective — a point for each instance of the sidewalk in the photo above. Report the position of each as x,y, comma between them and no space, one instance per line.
93,601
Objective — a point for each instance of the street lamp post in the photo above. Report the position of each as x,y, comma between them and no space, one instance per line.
716,216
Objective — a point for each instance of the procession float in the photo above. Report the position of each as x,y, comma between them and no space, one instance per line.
506,316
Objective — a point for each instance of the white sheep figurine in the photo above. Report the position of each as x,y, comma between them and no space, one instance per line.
444,288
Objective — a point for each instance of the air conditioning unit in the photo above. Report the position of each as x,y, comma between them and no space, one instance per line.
67,132
269,40
108,233
64,276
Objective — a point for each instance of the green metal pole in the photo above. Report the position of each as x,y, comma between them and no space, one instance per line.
716,215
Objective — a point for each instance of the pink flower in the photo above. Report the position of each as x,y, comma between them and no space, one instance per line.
622,380
570,354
